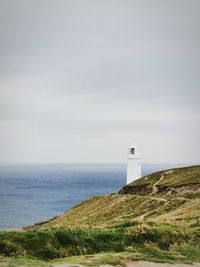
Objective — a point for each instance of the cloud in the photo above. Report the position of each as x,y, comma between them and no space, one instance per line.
96,76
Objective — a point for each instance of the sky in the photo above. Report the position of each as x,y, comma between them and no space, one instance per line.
82,80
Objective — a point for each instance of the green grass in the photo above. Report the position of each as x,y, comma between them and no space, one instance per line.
184,253
114,228
172,178
62,242
114,210
118,209
115,259
59,242
22,261
182,176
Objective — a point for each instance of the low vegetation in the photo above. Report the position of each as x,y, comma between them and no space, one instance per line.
116,210
149,240
179,181
158,227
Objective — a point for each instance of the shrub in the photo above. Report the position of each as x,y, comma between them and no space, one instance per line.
8,248
62,242
162,235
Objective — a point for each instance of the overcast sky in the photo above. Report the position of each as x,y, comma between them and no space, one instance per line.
81,80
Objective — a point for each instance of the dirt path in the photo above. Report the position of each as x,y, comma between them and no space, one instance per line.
155,188
152,264
67,265
133,264
141,217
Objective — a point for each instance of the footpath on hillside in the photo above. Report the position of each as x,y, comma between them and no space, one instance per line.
133,264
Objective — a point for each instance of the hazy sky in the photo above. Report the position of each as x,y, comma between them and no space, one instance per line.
81,80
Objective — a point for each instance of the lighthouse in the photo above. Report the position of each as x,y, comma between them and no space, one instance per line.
133,164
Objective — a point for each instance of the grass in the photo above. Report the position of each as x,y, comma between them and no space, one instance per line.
182,176
115,210
115,259
114,228
59,242
63,242
104,211
147,252
184,253
177,177
22,261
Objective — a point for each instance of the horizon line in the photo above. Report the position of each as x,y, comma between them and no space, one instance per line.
94,163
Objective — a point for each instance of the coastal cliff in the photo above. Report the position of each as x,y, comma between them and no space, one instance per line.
155,218
169,196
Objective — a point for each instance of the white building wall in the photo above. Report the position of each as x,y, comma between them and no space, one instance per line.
133,164
133,170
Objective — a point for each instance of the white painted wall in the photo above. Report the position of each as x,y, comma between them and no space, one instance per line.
133,164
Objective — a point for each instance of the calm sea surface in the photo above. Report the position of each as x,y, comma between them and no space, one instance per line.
32,193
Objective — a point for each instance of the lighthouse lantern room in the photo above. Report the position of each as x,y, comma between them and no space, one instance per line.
133,164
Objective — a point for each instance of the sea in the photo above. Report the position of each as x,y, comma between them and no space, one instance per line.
33,193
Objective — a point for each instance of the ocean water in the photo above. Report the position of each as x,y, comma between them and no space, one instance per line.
32,193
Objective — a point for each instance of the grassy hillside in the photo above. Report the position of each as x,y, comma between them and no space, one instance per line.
155,218
175,201
179,181
159,243
116,210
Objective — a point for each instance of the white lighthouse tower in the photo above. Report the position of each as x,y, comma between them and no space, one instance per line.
133,164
